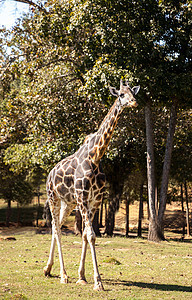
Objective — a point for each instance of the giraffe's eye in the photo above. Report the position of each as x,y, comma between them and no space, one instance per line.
122,95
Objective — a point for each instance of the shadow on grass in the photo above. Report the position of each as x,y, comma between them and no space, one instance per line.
182,240
52,276
154,286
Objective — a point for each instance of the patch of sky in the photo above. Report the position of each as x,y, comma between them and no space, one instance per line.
10,11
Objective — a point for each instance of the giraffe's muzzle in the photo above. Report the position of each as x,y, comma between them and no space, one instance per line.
134,104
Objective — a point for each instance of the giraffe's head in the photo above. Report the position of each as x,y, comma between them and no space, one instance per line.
126,94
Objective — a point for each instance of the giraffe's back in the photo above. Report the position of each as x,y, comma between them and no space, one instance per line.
60,181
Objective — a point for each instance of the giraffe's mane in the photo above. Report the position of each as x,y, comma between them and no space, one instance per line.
104,120
109,112
87,137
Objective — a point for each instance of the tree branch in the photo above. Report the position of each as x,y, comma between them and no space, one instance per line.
8,63
40,7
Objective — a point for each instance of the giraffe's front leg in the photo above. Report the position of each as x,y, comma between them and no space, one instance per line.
64,277
89,237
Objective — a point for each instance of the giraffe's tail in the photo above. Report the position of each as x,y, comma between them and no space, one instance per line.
47,214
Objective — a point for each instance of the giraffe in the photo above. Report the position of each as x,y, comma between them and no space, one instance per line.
78,180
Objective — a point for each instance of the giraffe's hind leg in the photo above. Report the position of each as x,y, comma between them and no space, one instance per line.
47,269
89,237
82,280
56,237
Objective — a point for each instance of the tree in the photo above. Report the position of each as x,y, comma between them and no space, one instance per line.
13,188
181,169
177,49
156,220
63,65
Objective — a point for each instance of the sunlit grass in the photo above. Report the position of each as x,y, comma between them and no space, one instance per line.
130,269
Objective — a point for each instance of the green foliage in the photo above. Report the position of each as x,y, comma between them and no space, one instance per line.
54,82
16,188
182,152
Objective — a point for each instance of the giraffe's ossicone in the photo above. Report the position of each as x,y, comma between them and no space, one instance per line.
78,180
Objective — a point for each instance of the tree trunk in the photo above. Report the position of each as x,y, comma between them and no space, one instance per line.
156,200
156,227
127,217
140,212
182,209
18,215
148,212
38,207
153,233
8,214
95,223
110,219
166,165
187,209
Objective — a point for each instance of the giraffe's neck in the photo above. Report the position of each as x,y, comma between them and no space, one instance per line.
99,142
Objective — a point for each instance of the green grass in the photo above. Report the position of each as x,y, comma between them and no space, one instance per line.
130,269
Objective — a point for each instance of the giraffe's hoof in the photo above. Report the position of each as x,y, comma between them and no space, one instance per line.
81,281
64,279
98,286
46,271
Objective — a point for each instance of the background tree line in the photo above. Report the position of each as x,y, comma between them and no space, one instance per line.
57,63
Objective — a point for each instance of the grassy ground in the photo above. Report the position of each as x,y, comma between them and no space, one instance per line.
130,268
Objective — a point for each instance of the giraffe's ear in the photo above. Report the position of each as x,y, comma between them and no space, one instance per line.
113,91
136,89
